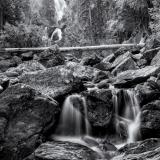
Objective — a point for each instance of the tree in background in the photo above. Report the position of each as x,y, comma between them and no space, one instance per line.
155,21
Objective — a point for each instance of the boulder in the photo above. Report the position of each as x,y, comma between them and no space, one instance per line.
150,120
4,82
103,84
109,59
6,64
120,58
144,150
126,64
148,92
27,56
100,108
25,67
63,151
156,59
137,56
25,118
142,63
90,60
51,57
60,80
103,66
129,78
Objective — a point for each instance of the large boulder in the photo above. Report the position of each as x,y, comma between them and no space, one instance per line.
148,92
51,57
120,58
60,80
150,120
126,64
6,64
63,151
25,117
100,108
129,78
144,150
90,60
29,66
156,59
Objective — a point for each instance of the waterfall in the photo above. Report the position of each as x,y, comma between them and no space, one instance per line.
127,113
60,6
72,121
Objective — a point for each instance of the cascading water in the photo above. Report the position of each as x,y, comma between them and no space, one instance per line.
74,125
60,6
73,122
127,112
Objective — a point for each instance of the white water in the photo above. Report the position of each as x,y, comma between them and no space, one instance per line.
60,6
72,122
74,127
128,114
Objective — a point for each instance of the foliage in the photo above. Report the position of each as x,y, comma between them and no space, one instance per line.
14,10
155,15
23,35
133,17
87,22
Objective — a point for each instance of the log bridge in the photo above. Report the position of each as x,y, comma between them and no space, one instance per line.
70,49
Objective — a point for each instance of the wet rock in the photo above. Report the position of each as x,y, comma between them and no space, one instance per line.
147,94
90,60
51,57
137,56
126,64
133,77
29,66
142,63
103,84
63,150
120,58
27,56
60,80
4,82
103,66
100,75
100,107
25,117
17,60
144,150
150,119
109,59
6,64
156,59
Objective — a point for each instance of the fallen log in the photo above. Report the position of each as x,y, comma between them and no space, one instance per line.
69,49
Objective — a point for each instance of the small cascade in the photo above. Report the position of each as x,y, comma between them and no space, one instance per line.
127,113
74,117
60,6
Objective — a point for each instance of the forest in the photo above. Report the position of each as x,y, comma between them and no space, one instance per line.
79,79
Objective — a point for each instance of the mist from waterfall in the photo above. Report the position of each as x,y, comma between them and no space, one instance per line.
60,6
127,113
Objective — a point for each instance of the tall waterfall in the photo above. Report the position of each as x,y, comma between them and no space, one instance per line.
127,112
60,6
74,119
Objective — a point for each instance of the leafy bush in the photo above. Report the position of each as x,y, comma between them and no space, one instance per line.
23,35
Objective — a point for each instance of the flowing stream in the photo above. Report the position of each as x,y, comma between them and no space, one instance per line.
74,125
127,113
